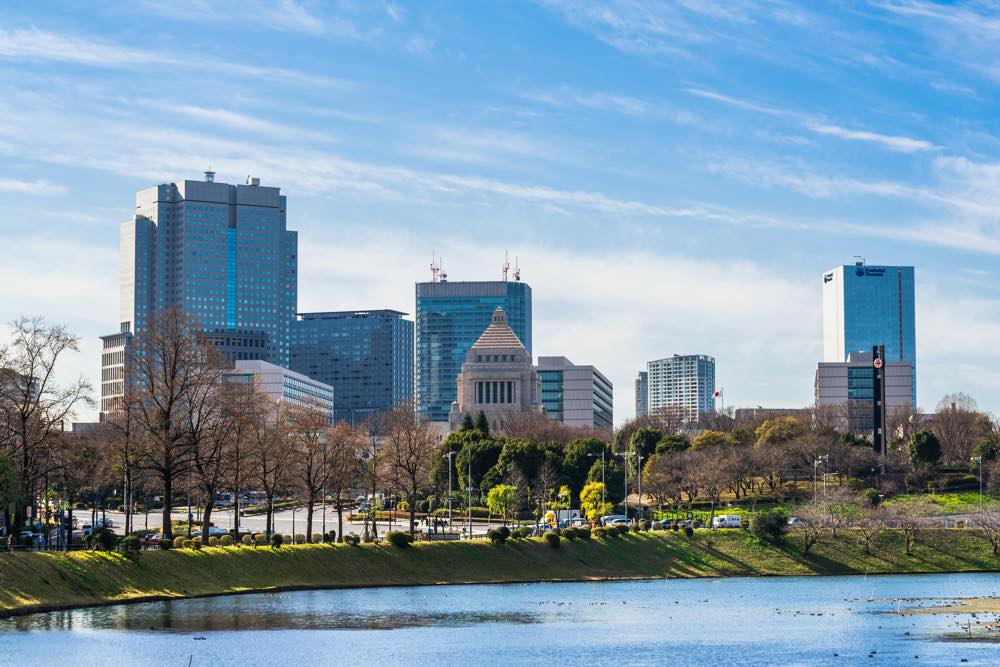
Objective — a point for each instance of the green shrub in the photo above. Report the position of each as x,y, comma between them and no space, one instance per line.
277,540
622,528
689,531
496,536
213,541
246,540
286,539
583,533
600,533
226,541
300,538
769,525
317,538
646,524
505,530
166,544
353,540
675,525
187,543
398,539
179,541
330,537
262,539
525,531
131,544
870,496
196,543
552,539
569,533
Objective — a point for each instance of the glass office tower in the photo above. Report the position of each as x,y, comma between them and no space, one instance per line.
366,356
450,318
864,306
221,254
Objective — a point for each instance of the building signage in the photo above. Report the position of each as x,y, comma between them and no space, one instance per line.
870,272
827,277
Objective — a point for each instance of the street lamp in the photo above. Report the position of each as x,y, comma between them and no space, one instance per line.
979,460
820,459
603,485
639,475
625,456
449,456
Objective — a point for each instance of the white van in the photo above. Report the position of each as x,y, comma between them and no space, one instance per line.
727,521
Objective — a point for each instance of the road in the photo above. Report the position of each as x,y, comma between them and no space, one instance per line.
284,522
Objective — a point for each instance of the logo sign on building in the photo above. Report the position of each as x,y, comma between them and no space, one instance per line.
877,363
827,277
870,272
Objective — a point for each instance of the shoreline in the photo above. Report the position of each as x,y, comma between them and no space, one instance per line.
93,579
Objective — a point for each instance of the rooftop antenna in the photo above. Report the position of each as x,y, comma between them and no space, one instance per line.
517,271
444,276
506,265
859,260
209,175
435,269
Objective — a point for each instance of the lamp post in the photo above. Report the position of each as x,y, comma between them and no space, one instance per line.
625,456
979,460
639,475
449,456
468,490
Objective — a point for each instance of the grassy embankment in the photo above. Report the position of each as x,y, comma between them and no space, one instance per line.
38,581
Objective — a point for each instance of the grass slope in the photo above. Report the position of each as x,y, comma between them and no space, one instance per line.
38,581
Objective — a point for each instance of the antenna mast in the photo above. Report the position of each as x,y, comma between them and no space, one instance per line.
517,270
435,269
506,265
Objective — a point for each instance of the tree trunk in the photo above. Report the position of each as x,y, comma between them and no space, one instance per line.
310,504
168,501
340,518
270,513
206,518
413,510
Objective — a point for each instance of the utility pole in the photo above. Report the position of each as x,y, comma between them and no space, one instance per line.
639,474
449,456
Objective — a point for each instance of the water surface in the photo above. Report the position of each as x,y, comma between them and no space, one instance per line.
772,621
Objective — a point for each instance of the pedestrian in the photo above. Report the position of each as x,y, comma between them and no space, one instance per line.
253,540
10,543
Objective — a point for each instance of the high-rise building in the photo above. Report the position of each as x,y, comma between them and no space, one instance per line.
865,306
219,253
366,356
450,317
576,395
686,382
848,389
497,377
642,394
115,352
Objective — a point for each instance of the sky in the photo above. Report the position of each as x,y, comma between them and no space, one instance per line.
671,177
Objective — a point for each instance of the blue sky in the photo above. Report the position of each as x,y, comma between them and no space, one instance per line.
673,177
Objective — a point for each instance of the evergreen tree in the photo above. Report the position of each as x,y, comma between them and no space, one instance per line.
483,424
467,424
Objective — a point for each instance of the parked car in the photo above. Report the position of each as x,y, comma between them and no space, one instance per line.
795,522
727,521
613,520
104,522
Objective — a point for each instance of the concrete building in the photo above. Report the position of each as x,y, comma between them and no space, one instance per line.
220,253
642,394
576,395
497,377
115,353
450,317
366,356
847,387
864,306
683,381
284,386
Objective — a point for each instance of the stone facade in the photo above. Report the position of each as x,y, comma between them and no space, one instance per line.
497,377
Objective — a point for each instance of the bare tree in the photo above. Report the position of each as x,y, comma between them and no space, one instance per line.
870,525
211,422
269,456
310,431
907,518
343,463
33,408
815,518
546,481
669,418
173,375
959,425
988,522
408,448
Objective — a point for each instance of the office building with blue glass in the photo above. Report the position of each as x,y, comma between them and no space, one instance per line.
219,253
366,356
450,317
580,396
865,306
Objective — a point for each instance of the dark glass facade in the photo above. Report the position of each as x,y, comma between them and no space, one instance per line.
450,318
366,356
552,394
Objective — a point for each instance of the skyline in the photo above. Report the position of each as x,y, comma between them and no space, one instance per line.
672,179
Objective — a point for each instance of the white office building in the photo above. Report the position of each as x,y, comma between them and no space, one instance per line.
686,381
284,386
848,388
576,395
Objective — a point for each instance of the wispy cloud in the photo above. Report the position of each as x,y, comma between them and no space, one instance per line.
281,15
34,44
31,187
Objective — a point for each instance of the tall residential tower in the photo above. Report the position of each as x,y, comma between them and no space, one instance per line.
685,381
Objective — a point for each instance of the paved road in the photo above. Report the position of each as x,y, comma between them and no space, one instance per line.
283,522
